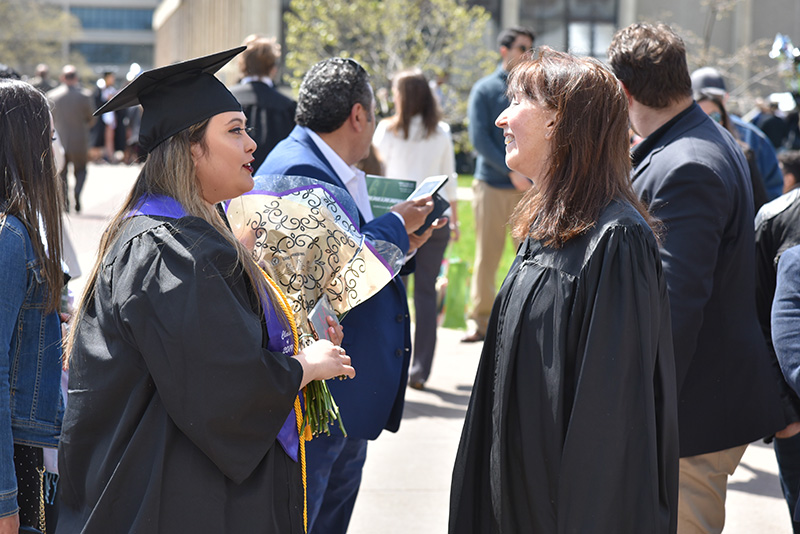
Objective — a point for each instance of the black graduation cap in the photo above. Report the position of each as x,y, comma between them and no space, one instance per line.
176,96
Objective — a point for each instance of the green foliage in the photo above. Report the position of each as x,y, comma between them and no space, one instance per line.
464,248
441,37
32,33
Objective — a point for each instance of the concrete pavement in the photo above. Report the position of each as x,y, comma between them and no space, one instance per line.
407,475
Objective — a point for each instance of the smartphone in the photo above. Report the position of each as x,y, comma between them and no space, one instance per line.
440,205
318,317
431,186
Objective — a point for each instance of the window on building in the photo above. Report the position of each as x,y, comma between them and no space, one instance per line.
580,26
115,54
107,18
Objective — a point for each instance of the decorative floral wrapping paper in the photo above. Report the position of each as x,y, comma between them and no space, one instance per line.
305,235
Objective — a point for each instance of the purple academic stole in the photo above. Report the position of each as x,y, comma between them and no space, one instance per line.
279,340
288,436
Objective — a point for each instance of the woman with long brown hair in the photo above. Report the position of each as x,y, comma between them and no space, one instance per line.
414,144
183,413
31,281
572,424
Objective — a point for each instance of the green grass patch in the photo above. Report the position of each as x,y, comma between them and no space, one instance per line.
464,248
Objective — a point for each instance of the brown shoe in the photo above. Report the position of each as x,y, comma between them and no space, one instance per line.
473,337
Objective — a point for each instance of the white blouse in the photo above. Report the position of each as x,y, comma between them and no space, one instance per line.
418,157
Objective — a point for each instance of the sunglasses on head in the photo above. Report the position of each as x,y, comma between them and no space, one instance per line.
348,61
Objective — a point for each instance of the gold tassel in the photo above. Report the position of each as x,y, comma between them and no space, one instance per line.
298,410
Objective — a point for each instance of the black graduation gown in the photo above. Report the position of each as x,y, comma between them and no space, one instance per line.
174,406
572,424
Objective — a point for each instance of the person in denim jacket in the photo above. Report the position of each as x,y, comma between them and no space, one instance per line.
31,279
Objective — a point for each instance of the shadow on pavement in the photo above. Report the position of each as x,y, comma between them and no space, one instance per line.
414,409
762,483
449,397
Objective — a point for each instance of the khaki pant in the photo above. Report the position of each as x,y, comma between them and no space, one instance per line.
703,486
492,207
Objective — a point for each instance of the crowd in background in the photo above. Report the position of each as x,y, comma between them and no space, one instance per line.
659,281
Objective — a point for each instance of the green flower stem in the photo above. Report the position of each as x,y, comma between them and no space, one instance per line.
321,409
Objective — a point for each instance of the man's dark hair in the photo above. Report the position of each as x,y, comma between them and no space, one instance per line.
650,60
328,93
790,160
509,35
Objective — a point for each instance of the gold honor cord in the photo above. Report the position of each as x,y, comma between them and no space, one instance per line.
298,410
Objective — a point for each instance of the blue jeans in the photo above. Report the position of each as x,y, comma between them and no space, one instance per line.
787,451
333,474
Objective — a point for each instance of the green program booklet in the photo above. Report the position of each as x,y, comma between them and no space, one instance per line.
386,192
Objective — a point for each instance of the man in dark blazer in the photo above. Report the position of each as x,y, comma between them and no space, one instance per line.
335,122
268,112
693,177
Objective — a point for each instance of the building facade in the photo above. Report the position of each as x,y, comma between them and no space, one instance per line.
113,35
191,28
740,31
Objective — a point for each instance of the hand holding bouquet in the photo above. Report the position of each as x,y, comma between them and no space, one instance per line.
305,235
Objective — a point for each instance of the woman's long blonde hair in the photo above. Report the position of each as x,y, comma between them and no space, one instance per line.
169,170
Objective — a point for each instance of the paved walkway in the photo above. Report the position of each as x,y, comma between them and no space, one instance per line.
407,475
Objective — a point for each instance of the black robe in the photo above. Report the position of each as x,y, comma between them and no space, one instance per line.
174,406
572,424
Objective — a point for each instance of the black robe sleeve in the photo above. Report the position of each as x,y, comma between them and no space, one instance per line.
202,344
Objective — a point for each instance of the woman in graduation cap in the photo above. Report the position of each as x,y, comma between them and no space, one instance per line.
182,412
572,424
